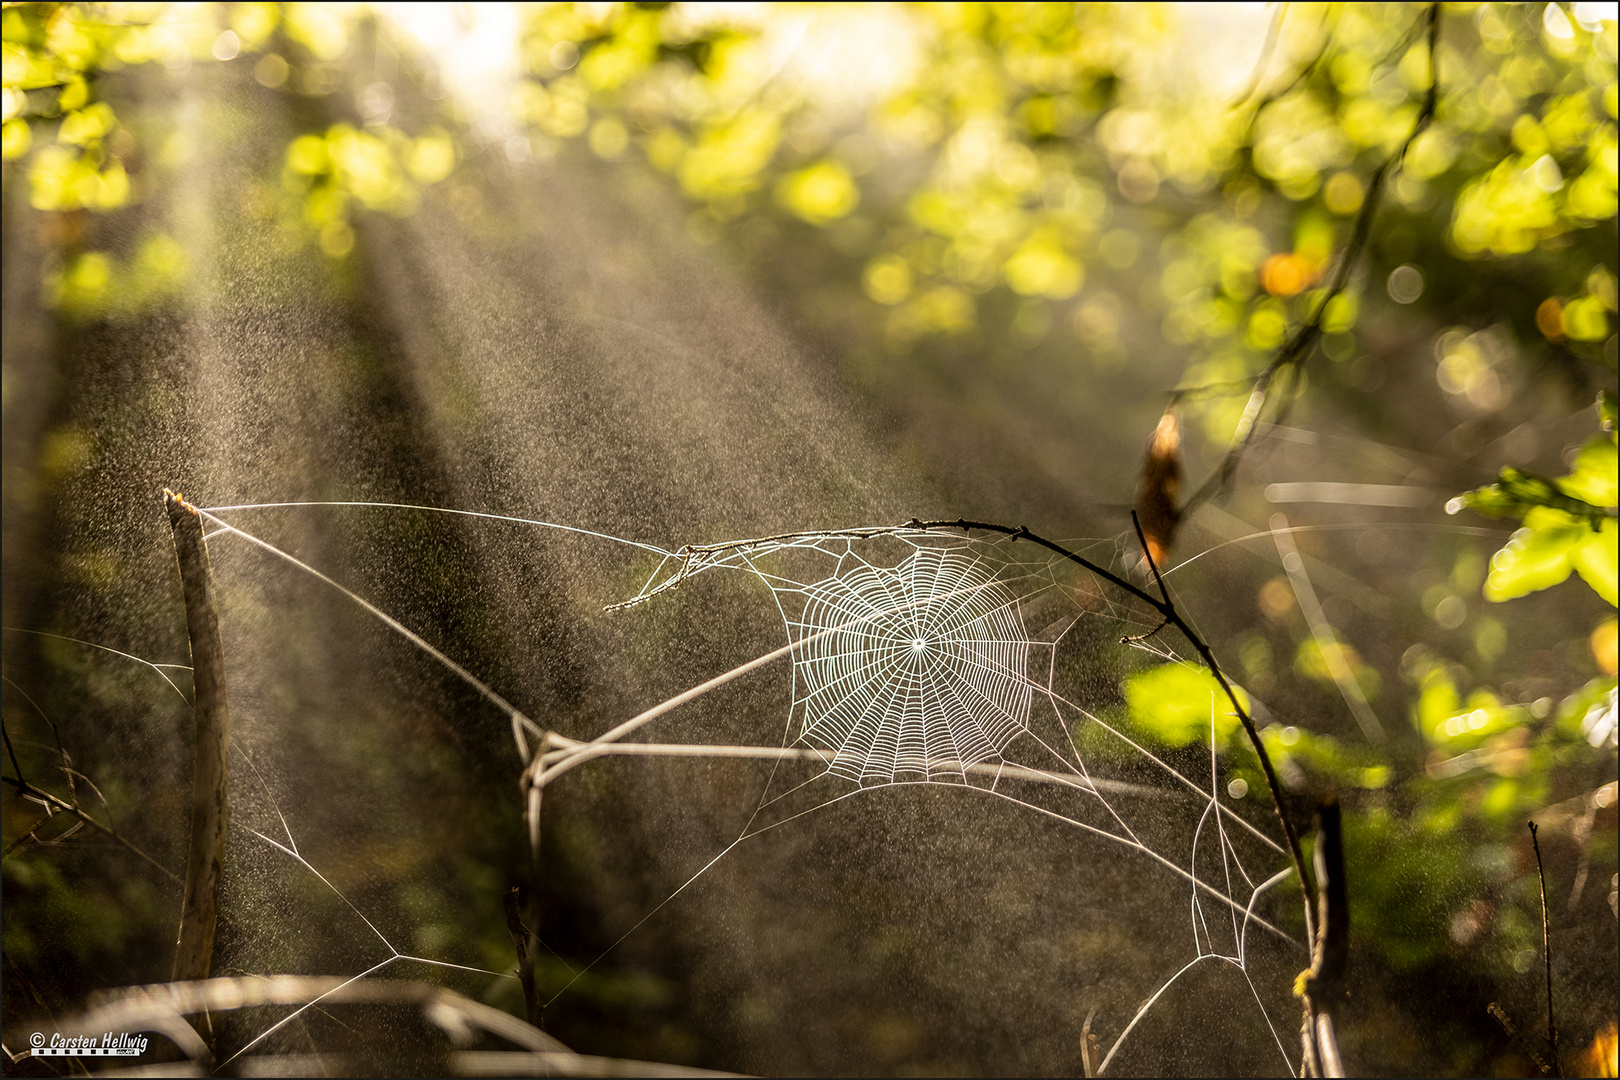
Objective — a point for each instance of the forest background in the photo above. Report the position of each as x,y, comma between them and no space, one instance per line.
700,271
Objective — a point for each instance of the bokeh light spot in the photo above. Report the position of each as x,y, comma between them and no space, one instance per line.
1405,284
1285,274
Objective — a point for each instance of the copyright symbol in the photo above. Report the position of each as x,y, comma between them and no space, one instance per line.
37,1039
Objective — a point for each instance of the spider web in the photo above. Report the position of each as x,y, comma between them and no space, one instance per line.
912,664
894,687
918,659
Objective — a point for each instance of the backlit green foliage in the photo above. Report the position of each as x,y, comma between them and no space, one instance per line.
1569,522
1177,704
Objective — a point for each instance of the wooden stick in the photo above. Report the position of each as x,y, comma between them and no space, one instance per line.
199,912
1546,952
558,748
1324,983
520,938
1327,1045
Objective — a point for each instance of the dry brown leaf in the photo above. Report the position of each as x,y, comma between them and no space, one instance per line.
1160,486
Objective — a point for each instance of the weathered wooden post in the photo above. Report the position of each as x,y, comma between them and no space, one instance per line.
206,855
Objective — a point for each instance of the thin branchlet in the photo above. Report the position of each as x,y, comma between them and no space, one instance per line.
55,804
1167,610
1546,952
1299,345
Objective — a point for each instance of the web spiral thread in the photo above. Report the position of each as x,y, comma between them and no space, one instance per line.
911,672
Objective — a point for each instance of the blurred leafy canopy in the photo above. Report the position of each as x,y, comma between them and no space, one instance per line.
1009,146
953,149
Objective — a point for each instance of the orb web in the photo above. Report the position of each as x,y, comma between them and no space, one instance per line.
911,672
923,657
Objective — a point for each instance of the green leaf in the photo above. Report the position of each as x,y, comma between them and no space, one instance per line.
1570,522
1437,701
1547,549
1174,704
1538,556
1595,559
1593,479
1585,493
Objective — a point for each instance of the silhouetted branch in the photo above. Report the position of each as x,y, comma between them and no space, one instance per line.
1167,610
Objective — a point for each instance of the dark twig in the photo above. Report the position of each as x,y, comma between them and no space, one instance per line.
1516,1036
11,751
205,859
54,804
520,938
1167,610
1321,986
1302,341
1546,952
1257,76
